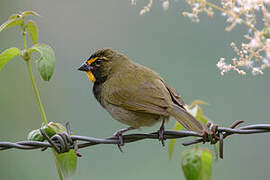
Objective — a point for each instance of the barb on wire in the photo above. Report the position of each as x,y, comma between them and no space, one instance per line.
65,141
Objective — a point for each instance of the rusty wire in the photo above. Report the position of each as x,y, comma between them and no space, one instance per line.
65,141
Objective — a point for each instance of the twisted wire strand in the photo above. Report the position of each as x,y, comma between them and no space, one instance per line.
63,142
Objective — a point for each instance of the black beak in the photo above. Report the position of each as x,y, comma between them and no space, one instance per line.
84,67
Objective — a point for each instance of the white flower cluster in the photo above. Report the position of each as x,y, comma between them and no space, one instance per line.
165,5
146,8
253,55
198,7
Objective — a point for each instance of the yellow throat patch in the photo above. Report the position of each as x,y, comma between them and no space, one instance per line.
91,77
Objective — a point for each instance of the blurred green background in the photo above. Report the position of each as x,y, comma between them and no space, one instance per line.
184,53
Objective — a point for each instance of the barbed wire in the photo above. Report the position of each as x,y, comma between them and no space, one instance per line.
63,142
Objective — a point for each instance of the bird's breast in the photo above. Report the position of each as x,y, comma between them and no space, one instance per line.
97,91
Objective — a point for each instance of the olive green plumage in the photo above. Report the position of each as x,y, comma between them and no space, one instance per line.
133,94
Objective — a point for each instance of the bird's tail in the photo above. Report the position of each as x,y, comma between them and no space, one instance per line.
186,119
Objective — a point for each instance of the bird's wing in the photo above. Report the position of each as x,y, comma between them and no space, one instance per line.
179,112
175,96
141,91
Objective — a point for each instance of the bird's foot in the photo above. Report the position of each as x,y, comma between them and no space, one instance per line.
161,133
119,135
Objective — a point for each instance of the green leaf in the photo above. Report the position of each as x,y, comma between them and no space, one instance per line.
193,111
50,129
35,135
206,171
216,151
55,127
26,13
203,119
14,21
8,55
46,62
197,102
66,163
177,127
197,112
197,164
14,16
171,148
32,30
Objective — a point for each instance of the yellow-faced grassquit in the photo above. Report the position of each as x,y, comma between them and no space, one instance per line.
133,94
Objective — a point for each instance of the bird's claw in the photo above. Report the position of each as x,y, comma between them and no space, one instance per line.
119,135
161,136
161,133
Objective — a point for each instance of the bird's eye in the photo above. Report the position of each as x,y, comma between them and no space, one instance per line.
98,62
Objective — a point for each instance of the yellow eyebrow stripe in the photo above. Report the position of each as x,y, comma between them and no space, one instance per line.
90,61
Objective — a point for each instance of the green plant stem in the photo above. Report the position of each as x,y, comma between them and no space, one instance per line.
27,57
24,40
27,60
43,115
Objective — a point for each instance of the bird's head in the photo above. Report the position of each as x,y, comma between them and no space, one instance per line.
100,64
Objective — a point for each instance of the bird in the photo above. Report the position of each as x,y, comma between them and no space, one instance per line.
134,94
